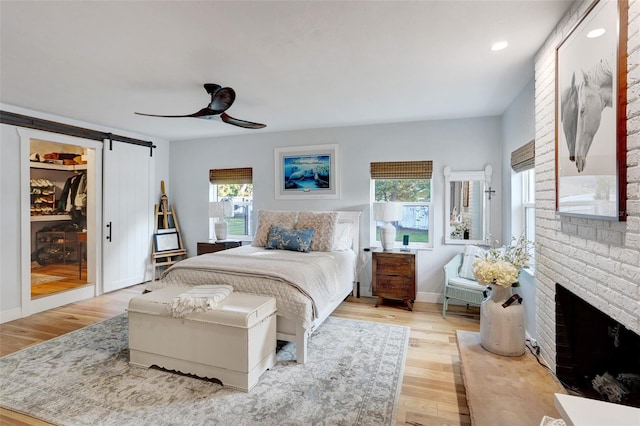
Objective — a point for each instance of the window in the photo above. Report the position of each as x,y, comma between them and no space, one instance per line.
523,194
529,208
407,182
236,187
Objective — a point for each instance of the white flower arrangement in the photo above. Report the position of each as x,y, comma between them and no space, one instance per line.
502,266
460,227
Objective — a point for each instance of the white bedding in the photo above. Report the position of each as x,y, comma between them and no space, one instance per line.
303,284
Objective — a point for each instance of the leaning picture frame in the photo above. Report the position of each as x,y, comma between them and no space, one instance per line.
166,241
307,172
590,120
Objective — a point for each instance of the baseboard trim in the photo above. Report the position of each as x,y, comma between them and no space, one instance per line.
10,315
423,296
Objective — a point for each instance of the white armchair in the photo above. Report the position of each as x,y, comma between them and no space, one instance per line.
459,288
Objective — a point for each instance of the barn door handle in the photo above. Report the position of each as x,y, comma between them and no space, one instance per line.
109,227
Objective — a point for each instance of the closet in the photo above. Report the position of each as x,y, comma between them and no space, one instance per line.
114,252
58,212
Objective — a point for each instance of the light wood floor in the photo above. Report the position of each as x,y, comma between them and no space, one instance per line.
432,390
73,278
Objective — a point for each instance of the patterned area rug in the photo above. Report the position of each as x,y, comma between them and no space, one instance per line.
37,279
353,377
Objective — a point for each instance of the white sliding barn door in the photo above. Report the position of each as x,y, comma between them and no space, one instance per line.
128,212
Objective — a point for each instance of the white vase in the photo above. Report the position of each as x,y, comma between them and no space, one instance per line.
502,329
221,229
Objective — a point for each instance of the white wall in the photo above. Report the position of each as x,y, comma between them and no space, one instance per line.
10,214
595,259
518,128
465,144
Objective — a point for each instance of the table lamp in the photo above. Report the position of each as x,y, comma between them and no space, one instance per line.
220,210
387,212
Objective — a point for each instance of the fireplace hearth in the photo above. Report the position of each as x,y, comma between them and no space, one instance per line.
596,356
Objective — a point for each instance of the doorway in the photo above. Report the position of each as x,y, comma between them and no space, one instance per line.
61,181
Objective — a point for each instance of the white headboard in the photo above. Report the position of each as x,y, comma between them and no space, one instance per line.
352,217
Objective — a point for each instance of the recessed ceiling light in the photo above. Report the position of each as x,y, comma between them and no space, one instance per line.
499,45
596,33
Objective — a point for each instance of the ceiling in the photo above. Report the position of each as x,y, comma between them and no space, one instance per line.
293,64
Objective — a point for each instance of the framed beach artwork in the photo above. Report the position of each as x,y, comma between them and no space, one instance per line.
591,114
305,172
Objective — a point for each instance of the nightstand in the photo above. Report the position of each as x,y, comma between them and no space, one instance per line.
213,246
394,276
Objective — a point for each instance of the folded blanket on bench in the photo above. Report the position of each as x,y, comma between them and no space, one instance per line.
198,299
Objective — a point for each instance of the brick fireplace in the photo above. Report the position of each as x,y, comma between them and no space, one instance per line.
597,260
596,356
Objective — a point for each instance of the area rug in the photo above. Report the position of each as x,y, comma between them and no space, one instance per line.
37,279
353,377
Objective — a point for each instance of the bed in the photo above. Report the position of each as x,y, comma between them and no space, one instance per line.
307,286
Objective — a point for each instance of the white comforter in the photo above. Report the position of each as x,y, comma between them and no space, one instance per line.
303,284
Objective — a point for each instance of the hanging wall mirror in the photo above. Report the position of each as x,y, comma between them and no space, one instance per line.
466,206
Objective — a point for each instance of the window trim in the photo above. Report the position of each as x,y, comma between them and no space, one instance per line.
527,202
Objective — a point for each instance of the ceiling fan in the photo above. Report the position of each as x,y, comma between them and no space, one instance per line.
221,99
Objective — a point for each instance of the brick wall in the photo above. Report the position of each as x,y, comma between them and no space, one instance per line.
596,259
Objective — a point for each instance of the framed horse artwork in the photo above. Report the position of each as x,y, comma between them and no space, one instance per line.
591,86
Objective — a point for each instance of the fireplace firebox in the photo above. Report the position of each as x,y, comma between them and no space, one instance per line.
596,356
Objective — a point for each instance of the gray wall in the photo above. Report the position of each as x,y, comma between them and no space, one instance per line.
464,144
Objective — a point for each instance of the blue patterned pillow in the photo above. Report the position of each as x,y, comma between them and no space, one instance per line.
289,239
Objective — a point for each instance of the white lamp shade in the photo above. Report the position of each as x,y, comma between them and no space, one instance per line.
388,212
221,209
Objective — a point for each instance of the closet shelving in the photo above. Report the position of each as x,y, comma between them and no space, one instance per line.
43,193
66,242
43,197
52,166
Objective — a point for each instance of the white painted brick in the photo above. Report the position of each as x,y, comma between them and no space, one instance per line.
597,259
609,237
632,173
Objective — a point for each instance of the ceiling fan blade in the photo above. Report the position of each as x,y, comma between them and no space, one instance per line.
163,116
240,123
204,112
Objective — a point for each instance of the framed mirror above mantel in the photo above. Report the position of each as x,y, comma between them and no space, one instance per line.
467,200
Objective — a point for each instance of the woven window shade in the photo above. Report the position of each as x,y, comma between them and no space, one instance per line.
402,170
524,158
226,176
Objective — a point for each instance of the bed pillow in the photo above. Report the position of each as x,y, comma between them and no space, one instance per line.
471,253
342,237
266,218
324,223
289,239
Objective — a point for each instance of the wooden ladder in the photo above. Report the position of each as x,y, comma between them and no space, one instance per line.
166,219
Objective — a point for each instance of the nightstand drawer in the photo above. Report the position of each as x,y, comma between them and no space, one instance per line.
392,265
394,285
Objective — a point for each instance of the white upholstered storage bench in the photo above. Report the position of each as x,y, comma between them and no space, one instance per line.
234,343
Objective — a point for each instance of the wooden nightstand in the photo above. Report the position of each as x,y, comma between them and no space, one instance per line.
394,276
212,246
